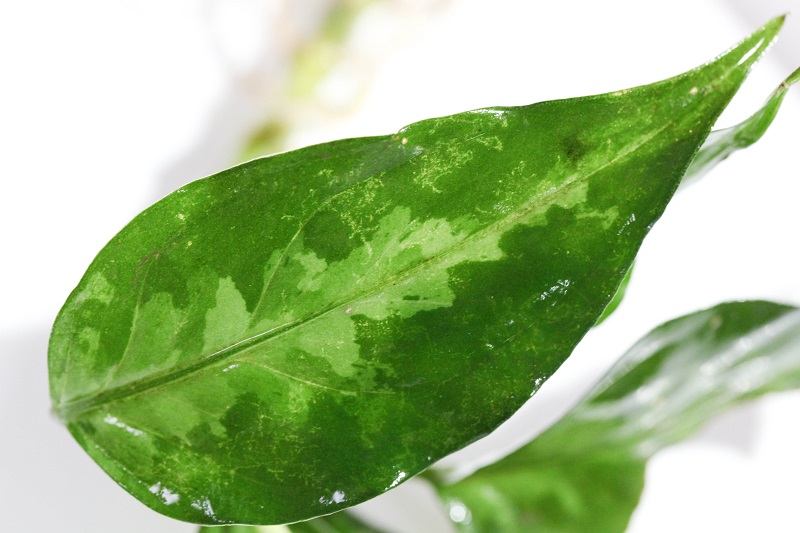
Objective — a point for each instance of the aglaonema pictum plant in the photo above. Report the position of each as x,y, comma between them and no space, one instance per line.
303,332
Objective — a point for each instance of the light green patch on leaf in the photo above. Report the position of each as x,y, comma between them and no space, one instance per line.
398,243
97,289
227,320
313,266
89,340
152,338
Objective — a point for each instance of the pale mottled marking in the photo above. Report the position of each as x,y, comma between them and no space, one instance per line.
490,141
313,266
89,339
227,320
98,289
151,342
451,158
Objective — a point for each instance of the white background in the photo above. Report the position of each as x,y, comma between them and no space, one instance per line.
107,105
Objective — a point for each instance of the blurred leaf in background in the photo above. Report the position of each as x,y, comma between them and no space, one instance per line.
587,471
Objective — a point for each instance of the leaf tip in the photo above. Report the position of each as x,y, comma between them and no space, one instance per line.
752,47
774,26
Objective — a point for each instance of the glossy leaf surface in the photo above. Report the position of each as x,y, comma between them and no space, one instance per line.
586,472
306,331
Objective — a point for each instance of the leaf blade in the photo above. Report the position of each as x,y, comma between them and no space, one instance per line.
321,325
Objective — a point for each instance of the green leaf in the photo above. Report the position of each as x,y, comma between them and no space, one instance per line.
303,332
586,472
